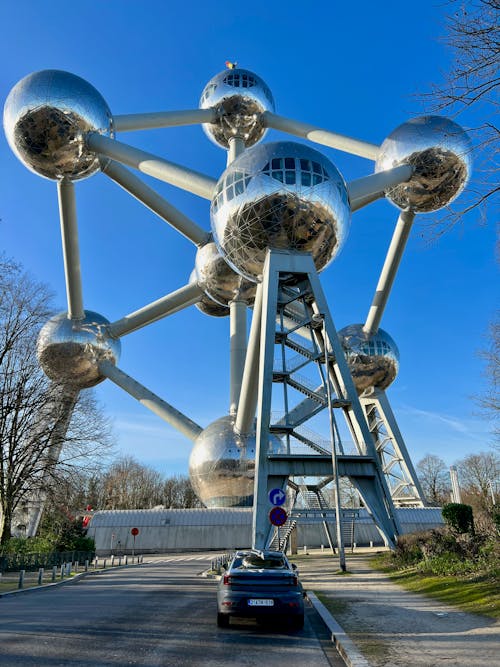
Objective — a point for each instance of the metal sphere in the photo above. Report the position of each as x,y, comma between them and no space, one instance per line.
373,360
69,351
46,117
239,97
206,304
222,465
218,280
280,195
440,152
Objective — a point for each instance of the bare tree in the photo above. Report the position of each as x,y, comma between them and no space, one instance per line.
37,419
179,494
131,485
473,83
433,476
490,399
479,475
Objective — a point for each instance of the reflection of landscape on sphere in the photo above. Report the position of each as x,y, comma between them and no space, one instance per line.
220,282
239,97
282,196
207,305
439,150
69,351
373,360
222,465
46,116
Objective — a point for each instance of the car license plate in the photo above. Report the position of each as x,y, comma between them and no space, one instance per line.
261,603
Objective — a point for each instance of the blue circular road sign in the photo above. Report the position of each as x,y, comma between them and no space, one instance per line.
277,497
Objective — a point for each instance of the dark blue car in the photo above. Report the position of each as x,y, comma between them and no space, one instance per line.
261,585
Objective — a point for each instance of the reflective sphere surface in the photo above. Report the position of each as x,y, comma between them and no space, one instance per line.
222,464
207,305
46,116
219,281
69,351
280,195
373,360
239,97
440,152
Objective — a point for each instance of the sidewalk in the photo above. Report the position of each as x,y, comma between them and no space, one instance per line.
396,628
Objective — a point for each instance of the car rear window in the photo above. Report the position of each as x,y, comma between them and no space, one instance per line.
269,563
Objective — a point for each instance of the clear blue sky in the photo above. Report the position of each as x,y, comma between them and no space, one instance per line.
356,68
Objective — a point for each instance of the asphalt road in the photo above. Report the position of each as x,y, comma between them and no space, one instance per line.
160,613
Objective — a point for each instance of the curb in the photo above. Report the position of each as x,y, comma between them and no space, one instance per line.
344,645
63,582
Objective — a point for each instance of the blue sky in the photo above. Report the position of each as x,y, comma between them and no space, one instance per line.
354,68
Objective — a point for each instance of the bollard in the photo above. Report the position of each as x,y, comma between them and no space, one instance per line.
112,561
21,578
354,545
68,569
371,544
126,560
322,547
40,576
54,572
104,564
305,549
119,561
63,569
86,566
76,565
96,563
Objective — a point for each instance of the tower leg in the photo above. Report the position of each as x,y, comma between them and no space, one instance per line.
292,299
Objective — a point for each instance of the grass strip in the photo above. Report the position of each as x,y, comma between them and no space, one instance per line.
476,594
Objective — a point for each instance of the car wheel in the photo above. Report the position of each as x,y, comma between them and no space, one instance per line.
222,620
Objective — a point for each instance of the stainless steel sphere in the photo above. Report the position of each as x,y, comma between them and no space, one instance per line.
222,465
239,97
218,280
46,117
373,360
280,195
440,152
207,305
69,351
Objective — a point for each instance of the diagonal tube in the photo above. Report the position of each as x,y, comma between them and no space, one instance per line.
147,196
151,401
163,170
364,190
389,270
158,119
167,305
71,250
250,382
320,136
237,350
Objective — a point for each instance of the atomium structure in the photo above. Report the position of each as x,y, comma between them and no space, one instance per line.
280,213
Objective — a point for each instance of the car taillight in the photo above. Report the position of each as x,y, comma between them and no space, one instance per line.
227,580
295,581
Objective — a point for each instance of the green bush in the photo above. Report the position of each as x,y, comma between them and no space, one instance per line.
458,517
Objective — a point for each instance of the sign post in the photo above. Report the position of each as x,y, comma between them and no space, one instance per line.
134,532
277,497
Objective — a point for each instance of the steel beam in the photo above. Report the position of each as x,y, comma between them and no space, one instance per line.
321,136
249,385
70,247
237,350
152,200
167,305
389,270
159,119
372,187
151,401
169,172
